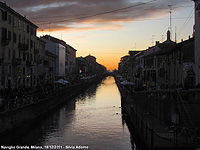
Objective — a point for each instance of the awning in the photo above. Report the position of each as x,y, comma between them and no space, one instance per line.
125,82
61,81
84,78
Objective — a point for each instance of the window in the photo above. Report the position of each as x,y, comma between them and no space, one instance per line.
3,80
19,25
24,40
24,57
9,19
9,69
28,57
27,28
19,38
14,21
27,42
23,70
24,27
14,37
19,55
4,33
35,32
31,44
31,31
9,53
13,53
4,15
9,35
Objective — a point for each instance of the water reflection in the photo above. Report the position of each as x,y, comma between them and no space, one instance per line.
93,119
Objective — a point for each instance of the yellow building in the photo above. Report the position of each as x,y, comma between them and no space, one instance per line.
17,47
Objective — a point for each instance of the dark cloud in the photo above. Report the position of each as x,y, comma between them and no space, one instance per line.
62,13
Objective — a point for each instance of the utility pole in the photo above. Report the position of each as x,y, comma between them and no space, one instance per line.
175,35
170,19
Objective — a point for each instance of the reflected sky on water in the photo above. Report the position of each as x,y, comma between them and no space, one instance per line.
93,119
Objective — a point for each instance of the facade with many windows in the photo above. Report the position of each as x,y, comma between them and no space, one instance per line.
17,49
46,63
165,65
197,41
66,55
72,59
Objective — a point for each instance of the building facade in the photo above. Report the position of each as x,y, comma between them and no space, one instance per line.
197,41
58,48
71,59
66,55
17,49
46,63
165,65
89,66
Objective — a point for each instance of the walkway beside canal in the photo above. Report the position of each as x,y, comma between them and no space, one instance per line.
160,118
153,132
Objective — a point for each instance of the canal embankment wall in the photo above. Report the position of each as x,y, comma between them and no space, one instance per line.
13,119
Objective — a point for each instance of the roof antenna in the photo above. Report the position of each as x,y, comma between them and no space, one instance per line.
49,28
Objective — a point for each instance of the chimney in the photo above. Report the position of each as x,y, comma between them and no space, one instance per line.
157,43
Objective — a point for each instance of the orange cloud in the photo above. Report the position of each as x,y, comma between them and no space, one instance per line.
81,28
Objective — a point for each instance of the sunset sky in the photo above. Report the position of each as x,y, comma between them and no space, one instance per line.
108,29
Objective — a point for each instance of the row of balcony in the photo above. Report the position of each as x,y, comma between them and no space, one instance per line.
4,42
29,63
45,62
21,46
18,61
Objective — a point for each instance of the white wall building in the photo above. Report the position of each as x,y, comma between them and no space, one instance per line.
54,46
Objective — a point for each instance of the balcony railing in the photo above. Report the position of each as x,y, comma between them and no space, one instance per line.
29,63
36,51
39,61
51,69
1,61
23,47
46,63
17,61
4,42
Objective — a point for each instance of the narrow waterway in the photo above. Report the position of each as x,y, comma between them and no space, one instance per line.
93,119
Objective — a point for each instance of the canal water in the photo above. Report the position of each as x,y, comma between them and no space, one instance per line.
92,120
